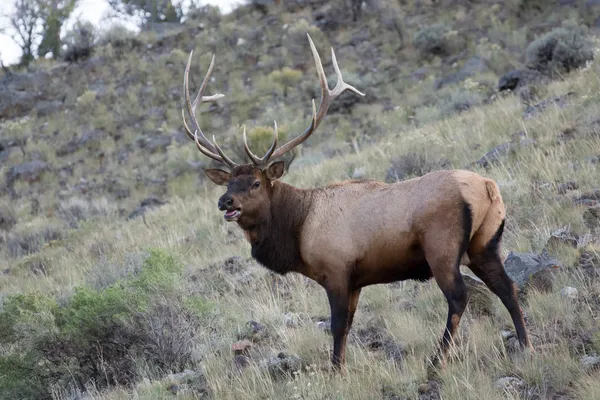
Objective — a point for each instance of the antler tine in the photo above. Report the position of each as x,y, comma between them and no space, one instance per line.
226,159
327,96
204,151
262,161
202,143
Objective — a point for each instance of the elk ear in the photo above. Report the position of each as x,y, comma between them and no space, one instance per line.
275,170
218,176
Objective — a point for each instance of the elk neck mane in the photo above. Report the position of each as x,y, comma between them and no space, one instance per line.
276,240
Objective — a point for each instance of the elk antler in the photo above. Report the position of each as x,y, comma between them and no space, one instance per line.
202,143
213,150
327,96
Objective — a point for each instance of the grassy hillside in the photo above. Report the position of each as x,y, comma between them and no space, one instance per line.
118,307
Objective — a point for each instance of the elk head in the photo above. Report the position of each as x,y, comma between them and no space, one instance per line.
249,186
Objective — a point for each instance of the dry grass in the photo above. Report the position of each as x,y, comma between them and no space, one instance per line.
104,248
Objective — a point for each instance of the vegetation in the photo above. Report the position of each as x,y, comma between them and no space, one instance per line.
98,301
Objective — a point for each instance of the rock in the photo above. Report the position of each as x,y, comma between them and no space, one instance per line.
254,331
474,65
563,188
374,338
29,172
591,217
531,270
291,320
359,173
419,74
282,366
494,155
7,219
325,326
588,198
155,143
507,334
511,384
590,363
145,205
430,390
241,347
559,101
569,292
481,299
240,361
589,262
188,380
518,78
564,237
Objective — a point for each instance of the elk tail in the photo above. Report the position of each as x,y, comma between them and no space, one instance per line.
493,191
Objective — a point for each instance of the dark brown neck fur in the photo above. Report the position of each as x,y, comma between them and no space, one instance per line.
276,240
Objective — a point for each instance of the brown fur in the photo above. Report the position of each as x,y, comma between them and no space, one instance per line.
353,234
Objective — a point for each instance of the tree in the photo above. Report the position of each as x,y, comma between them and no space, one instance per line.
25,21
34,19
150,11
54,13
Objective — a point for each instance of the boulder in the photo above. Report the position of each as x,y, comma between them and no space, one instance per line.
518,78
28,171
531,270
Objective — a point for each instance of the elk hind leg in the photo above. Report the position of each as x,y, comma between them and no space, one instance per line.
487,265
444,250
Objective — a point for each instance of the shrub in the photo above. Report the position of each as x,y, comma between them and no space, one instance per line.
286,78
434,40
97,335
260,139
413,165
80,41
560,50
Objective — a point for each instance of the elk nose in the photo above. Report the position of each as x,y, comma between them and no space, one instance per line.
225,202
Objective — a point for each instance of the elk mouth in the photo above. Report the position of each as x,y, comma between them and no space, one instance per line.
232,215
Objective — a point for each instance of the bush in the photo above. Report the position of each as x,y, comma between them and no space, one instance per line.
560,50
97,335
434,40
80,41
260,139
414,164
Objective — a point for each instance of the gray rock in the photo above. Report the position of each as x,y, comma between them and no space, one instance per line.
528,269
564,237
591,217
7,219
359,173
558,101
590,363
511,384
291,320
283,365
493,156
473,66
146,204
563,188
518,78
29,171
569,292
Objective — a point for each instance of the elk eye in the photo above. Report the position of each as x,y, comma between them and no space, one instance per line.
256,185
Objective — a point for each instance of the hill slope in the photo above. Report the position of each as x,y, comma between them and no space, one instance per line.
96,301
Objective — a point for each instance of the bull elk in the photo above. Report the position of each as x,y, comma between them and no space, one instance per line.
356,233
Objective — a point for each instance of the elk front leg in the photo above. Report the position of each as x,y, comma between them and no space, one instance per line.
343,305
339,301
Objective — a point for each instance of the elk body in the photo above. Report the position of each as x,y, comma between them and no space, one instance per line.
357,233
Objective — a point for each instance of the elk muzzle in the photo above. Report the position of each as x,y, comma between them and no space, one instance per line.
226,203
